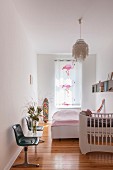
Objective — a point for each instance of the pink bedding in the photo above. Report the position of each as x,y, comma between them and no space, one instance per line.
65,123
63,115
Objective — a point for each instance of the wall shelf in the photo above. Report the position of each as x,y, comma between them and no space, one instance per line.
105,86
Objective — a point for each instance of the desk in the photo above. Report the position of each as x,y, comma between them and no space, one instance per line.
37,134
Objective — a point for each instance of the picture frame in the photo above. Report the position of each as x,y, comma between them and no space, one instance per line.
111,76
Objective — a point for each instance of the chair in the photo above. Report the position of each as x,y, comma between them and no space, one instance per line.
29,124
21,140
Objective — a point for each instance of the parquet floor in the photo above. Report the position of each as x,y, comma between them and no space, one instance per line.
64,155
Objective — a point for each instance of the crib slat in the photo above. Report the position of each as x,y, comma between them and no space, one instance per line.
110,130
102,132
94,131
98,131
90,130
106,132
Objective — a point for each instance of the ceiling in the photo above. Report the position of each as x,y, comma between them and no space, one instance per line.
52,25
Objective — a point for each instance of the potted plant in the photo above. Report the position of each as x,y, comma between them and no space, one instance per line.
34,112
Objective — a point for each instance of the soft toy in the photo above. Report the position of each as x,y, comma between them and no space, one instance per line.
88,112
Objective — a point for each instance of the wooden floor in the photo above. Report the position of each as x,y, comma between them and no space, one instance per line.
64,155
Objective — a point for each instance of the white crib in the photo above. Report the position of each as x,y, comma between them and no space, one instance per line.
96,132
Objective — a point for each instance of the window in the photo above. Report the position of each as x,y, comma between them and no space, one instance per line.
68,83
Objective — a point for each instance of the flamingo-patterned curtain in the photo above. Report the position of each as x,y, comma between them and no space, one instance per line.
68,83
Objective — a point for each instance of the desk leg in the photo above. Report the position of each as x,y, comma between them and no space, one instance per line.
35,148
40,141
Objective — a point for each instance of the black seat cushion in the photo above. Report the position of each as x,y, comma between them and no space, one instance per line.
28,141
23,140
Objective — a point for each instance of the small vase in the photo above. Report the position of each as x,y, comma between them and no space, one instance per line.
34,126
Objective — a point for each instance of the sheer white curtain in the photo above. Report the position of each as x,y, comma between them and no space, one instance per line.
68,83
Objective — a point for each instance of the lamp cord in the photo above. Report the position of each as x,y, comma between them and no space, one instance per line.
80,19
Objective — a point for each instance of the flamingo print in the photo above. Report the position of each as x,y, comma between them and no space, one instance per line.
65,104
68,67
66,86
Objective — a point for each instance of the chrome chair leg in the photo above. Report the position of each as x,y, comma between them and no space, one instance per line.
26,164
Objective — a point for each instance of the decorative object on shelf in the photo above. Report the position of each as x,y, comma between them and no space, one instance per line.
111,89
111,76
34,112
45,110
101,84
106,83
80,48
104,86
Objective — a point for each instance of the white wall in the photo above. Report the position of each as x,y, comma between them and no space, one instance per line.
88,79
105,66
17,62
46,81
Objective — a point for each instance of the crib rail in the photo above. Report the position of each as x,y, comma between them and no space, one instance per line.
100,129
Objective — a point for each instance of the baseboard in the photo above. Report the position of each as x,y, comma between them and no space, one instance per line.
13,158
